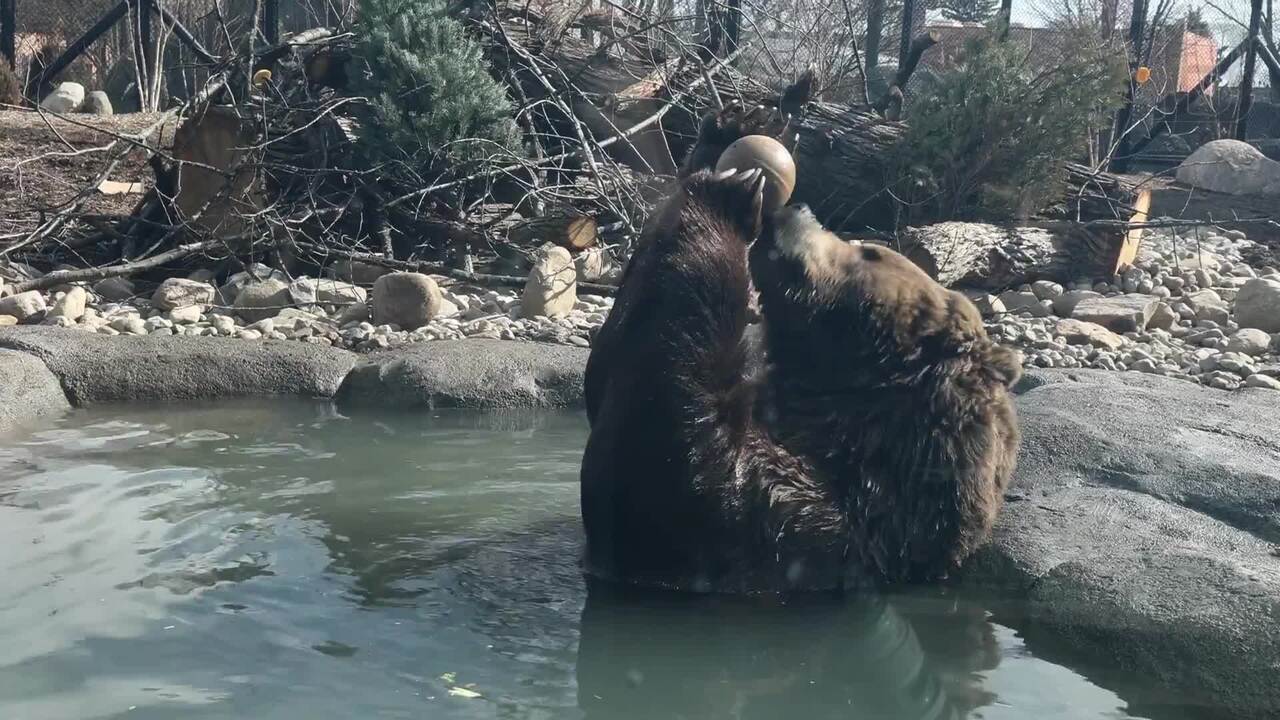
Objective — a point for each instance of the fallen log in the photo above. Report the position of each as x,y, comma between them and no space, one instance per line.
995,257
1095,195
60,277
842,155
573,232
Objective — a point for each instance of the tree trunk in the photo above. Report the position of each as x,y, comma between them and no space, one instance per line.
875,32
217,187
1084,234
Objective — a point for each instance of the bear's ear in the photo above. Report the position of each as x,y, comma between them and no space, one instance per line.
798,94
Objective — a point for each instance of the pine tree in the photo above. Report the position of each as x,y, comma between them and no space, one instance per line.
968,10
1197,24
433,103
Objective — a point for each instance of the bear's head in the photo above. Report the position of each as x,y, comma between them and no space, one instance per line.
845,315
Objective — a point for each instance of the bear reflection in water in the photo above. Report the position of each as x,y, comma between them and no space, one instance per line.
656,654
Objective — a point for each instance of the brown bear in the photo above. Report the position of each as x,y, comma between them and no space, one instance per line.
888,384
681,487
878,453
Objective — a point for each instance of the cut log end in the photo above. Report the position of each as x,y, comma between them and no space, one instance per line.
1132,242
573,232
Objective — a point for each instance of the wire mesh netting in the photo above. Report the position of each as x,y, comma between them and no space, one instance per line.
44,29
855,48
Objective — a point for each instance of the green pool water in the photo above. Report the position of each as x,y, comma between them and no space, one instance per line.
281,560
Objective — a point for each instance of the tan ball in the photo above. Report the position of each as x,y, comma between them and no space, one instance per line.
761,151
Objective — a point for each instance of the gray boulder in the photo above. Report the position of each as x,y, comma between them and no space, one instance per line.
1141,531
27,306
1162,318
1079,332
257,272
1249,341
592,265
66,98
96,368
552,286
1208,305
71,305
985,302
1015,300
261,300
1258,305
97,103
27,390
469,373
1065,303
407,300
114,289
1122,313
308,291
1233,167
181,292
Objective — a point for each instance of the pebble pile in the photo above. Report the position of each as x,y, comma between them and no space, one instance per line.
1190,308
401,308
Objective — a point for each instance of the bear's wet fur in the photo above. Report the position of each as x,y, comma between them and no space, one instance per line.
681,487
875,449
888,384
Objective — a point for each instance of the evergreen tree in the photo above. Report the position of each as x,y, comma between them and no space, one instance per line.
969,10
1197,24
433,103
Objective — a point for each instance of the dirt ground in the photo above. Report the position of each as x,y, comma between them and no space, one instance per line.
46,161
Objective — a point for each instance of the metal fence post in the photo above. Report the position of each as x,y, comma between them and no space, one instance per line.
908,29
271,21
1250,67
148,39
1137,26
8,31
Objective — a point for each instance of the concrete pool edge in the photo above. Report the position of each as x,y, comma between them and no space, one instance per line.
1140,532
28,390
94,369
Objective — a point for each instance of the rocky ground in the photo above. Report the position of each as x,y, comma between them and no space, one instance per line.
258,303
1192,308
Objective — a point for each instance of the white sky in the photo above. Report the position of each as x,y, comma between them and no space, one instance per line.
1226,18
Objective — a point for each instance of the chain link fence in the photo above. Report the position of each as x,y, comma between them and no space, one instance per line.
42,29
855,47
